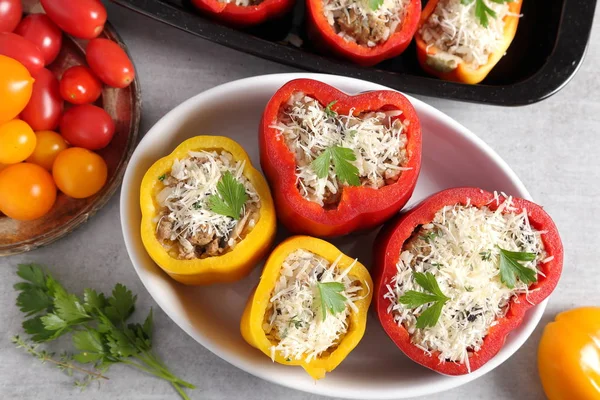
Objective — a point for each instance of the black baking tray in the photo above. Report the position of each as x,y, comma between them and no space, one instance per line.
548,49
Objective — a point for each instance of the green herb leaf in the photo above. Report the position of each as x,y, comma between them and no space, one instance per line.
429,236
414,299
331,298
511,269
90,343
375,4
230,199
121,304
162,177
430,316
328,110
482,11
53,322
101,333
427,281
341,157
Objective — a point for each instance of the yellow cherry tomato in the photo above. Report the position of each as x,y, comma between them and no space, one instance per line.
16,85
27,191
79,173
17,141
569,355
47,147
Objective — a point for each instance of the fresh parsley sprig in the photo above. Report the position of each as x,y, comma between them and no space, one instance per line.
482,11
375,4
99,325
511,268
341,158
230,198
414,299
332,300
329,110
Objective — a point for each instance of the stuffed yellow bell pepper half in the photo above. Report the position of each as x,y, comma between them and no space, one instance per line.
207,214
310,307
569,355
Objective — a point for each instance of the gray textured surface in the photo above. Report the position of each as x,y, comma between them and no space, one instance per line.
552,146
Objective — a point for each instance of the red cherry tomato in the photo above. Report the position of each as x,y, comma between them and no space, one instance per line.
27,191
110,63
45,107
10,14
79,85
41,31
79,173
87,126
83,19
22,50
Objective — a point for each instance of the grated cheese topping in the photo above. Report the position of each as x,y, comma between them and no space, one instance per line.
186,219
460,248
355,21
455,31
242,3
294,317
378,139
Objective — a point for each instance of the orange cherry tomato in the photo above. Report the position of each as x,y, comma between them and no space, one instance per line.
16,85
27,191
47,147
79,173
17,141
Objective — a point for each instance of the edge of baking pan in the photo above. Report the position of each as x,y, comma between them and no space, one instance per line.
568,53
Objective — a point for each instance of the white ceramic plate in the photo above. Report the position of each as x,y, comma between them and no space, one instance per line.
376,369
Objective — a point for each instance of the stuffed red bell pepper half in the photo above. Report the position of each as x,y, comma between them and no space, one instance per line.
364,31
338,163
243,13
456,274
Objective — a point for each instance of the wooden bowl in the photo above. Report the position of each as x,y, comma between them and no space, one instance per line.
124,106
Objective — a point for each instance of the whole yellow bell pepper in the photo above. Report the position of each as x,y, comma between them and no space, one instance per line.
569,355
254,314
227,267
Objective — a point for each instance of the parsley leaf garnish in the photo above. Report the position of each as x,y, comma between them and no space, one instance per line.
414,299
162,177
230,199
331,298
511,268
101,336
375,4
328,110
430,236
482,11
341,157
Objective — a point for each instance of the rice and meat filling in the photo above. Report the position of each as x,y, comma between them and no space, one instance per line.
459,36
187,227
294,317
377,139
356,21
461,249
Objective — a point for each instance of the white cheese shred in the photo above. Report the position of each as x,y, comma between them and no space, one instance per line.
378,139
455,31
294,316
460,247
186,219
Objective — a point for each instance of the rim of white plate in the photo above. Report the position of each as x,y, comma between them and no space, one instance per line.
232,87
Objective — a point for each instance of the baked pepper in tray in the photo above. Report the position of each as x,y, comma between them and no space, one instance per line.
365,32
462,41
243,13
338,163
457,273
310,307
207,214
